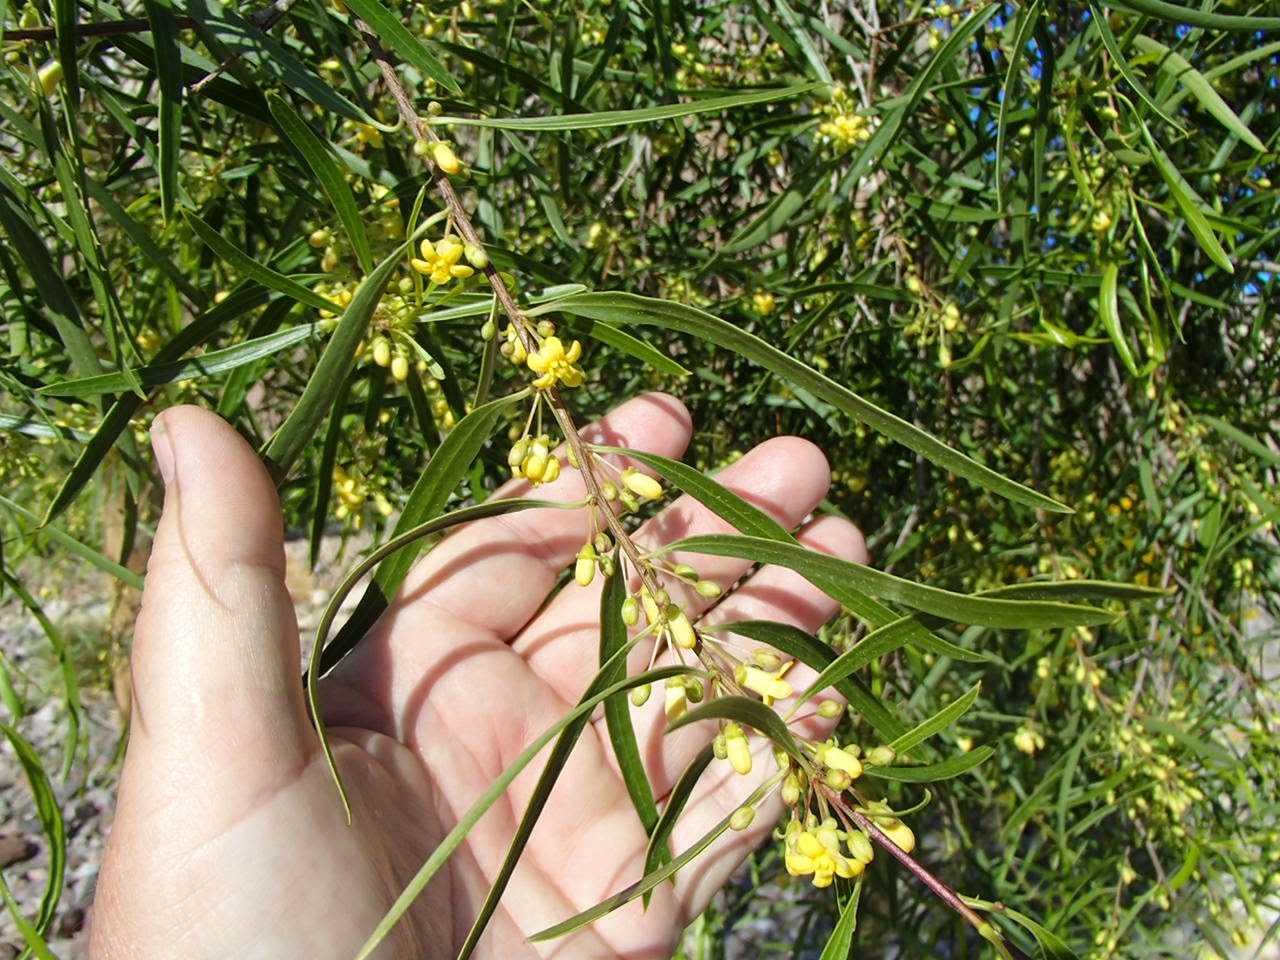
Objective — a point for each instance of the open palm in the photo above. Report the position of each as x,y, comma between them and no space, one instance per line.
230,839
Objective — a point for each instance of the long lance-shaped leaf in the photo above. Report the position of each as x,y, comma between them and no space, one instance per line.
1188,202
234,36
51,822
396,36
1194,17
938,722
1019,615
621,118
206,365
1109,310
568,739
118,418
1195,83
30,935
164,37
753,521
1028,16
742,710
332,182
252,269
1069,590
303,422
840,944
813,653
69,543
659,849
653,878
395,545
1250,443
617,711
876,644
644,352
945,770
454,838
625,309
428,497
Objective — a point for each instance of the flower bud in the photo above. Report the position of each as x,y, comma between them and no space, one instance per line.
640,695
535,466
50,75
837,780
475,255
720,747
584,571
791,790
552,472
830,709
766,658
742,818
487,330
881,756
609,491
382,352
642,484
320,238
445,158
602,543
400,368
546,328
707,589
630,611
860,846
685,572
682,631
651,613
737,749
519,450
629,501
421,148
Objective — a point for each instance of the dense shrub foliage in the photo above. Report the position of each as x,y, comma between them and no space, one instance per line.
1045,234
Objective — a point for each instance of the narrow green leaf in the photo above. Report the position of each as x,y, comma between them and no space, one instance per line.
1195,17
746,711
428,497
454,838
322,164
625,309
303,422
634,346
1027,18
140,237
69,543
1254,446
64,24
876,644
1188,202
611,671
840,944
1109,311
396,36
1103,26
813,653
30,935
1052,946
1071,590
955,607
43,431
651,879
205,365
938,722
617,710
946,770
1177,66
659,849
235,38
619,118
50,815
120,416
252,269
164,39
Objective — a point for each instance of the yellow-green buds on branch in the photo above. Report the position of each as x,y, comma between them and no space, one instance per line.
737,749
584,570
443,156
682,632
742,818
641,484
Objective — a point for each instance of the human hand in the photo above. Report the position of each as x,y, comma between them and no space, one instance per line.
230,839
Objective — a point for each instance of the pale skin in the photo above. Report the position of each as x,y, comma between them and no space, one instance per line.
229,838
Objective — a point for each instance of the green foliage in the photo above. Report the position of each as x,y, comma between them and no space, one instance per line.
997,259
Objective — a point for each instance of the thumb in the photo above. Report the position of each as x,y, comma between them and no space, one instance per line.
217,701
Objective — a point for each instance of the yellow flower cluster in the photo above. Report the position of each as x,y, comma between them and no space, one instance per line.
353,491
844,128
531,458
439,262
814,848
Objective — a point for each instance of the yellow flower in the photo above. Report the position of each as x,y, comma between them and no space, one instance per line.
815,849
768,683
1028,740
440,261
555,364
